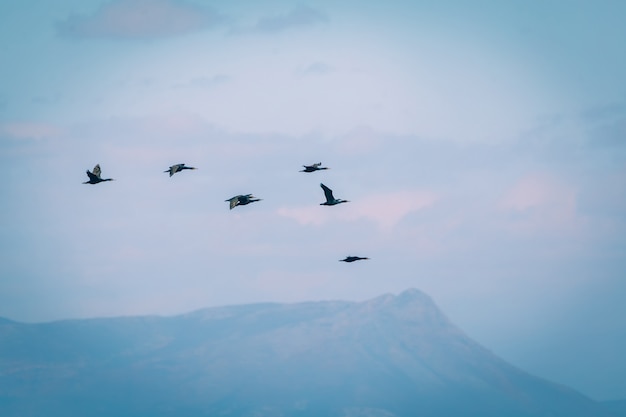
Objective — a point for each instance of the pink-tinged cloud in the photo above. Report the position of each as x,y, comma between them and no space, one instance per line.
386,210
540,203
29,130
140,19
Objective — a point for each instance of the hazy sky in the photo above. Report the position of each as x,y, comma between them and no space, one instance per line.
482,146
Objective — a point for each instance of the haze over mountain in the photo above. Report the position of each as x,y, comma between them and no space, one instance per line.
388,356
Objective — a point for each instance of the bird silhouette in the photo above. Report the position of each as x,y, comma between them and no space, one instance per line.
330,200
242,200
352,259
177,168
313,168
94,177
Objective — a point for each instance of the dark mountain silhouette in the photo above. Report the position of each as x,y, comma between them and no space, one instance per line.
389,356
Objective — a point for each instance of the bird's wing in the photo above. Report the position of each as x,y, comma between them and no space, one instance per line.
96,171
175,168
233,202
327,192
91,176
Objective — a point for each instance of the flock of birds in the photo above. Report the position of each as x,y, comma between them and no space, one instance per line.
95,177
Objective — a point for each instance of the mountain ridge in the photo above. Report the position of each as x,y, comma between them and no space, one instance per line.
410,292
389,355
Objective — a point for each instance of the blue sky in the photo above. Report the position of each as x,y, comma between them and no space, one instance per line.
482,146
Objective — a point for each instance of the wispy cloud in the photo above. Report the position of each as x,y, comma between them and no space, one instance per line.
316,68
29,130
607,125
140,19
204,81
302,15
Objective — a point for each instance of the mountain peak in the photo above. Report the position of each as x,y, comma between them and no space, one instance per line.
409,306
410,295
387,356
413,293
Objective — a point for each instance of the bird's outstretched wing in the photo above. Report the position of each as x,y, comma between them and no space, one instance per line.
313,167
175,168
91,176
96,171
327,192
234,201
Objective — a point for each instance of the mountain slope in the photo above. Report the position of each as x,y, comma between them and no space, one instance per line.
389,356
617,407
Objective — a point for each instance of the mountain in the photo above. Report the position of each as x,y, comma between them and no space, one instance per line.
385,357
617,407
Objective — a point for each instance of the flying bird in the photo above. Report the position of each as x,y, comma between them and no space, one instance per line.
177,168
352,259
242,200
330,200
94,177
313,168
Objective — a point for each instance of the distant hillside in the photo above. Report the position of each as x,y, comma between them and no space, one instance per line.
618,408
389,356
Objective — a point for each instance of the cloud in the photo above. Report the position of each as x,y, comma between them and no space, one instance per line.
611,135
539,203
140,19
604,111
204,82
606,125
29,130
384,209
300,16
316,68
